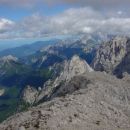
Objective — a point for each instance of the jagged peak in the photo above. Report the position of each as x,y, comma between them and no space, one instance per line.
9,58
76,61
76,66
111,54
75,57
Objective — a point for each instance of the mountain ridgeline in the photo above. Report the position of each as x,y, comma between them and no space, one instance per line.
78,84
29,49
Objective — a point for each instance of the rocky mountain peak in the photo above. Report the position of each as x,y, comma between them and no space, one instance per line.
9,58
110,54
77,66
74,67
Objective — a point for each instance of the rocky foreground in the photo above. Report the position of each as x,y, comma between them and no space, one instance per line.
85,100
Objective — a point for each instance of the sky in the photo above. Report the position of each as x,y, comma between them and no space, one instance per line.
24,19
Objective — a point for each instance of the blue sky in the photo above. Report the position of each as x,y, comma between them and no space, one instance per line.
27,19
18,9
18,13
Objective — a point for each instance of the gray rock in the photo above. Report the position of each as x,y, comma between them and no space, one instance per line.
2,91
111,54
30,94
22,128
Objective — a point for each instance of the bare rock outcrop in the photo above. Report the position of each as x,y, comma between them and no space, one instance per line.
30,94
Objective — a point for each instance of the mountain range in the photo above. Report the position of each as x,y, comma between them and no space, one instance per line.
70,84
25,50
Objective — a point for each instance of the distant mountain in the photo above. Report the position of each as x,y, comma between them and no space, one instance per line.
47,56
29,49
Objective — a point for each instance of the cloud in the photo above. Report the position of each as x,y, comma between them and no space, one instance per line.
18,3
5,25
92,3
72,21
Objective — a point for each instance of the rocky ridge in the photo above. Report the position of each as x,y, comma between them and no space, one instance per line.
72,68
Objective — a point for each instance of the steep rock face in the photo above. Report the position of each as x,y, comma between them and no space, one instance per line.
111,54
72,68
30,94
103,103
124,65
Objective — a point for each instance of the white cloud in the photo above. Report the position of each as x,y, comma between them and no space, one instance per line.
19,3
72,21
4,23
119,12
